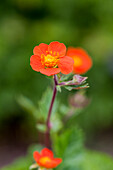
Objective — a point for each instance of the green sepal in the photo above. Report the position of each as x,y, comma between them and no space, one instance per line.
83,86
58,88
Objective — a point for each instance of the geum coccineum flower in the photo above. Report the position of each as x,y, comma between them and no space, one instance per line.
45,159
51,59
82,61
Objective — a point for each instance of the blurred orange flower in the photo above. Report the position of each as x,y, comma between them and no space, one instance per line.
82,61
50,59
45,159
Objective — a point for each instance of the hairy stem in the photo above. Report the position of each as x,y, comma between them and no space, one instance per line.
48,124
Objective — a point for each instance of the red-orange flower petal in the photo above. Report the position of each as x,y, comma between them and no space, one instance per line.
58,48
36,156
57,160
45,159
41,49
47,152
35,62
50,71
82,61
66,64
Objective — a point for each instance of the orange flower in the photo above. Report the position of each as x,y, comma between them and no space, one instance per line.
45,159
82,61
50,59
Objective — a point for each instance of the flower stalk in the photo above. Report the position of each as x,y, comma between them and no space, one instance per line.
48,124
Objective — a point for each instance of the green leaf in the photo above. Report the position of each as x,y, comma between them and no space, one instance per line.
68,87
69,146
58,88
28,106
76,87
56,123
44,103
40,112
41,127
63,110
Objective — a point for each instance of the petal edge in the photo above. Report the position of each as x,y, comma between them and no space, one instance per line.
57,47
50,71
35,63
66,64
41,49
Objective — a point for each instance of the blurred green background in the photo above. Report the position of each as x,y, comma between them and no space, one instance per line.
26,23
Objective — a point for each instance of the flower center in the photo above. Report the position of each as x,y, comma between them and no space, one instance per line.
43,160
49,60
77,61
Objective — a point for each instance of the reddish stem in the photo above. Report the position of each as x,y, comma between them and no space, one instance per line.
48,125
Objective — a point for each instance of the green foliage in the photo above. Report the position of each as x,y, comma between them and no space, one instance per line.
77,87
28,106
44,103
40,111
97,161
69,146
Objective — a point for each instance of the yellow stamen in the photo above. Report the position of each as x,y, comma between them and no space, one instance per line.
49,60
